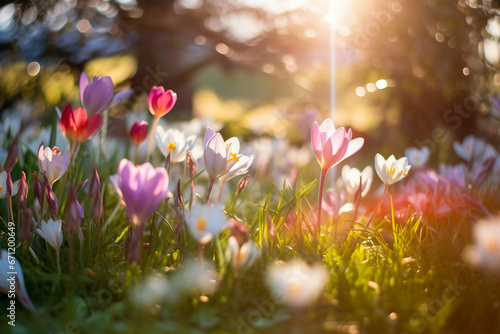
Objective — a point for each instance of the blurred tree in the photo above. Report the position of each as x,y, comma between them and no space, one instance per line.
417,60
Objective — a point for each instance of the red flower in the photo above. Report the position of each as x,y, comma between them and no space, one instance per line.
139,132
76,126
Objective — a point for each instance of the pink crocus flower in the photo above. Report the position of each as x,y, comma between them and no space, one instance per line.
331,146
160,102
143,189
52,163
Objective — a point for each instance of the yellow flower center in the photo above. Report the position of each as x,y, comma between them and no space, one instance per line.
171,147
1,189
232,156
390,171
202,223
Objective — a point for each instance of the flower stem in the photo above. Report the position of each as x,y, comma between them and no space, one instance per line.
320,197
209,189
58,262
220,191
136,151
378,205
151,138
70,255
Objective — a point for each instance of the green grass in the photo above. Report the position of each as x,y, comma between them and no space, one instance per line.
401,276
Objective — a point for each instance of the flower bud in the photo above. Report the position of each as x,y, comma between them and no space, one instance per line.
11,156
242,185
95,194
139,132
191,165
22,191
178,197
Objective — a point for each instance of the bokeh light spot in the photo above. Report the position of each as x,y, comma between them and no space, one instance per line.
360,91
83,26
33,68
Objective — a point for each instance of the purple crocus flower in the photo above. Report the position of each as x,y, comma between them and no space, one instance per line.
143,187
98,96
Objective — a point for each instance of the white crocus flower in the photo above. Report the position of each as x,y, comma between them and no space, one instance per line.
391,170
474,148
352,177
174,142
51,231
12,279
296,283
485,251
205,222
3,185
52,162
193,277
417,157
240,167
243,256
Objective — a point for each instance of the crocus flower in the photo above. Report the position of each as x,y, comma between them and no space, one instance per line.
215,154
3,185
51,231
52,163
205,222
139,132
74,212
160,102
77,127
455,174
51,197
331,146
10,161
417,157
95,195
239,167
9,282
22,190
473,148
295,283
241,256
485,251
98,96
352,178
222,159
143,188
194,277
174,143
391,170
